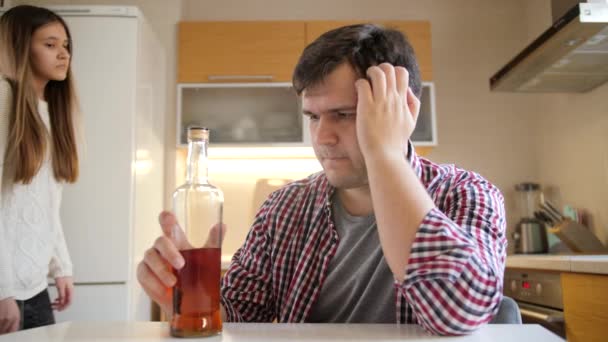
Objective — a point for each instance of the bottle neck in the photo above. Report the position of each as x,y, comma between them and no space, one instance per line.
197,162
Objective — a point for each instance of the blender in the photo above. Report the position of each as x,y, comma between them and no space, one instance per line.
530,235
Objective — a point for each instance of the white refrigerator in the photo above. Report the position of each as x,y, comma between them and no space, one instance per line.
109,215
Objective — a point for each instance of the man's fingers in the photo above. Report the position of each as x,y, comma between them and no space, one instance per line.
364,92
167,221
378,81
216,236
159,267
168,251
222,233
152,285
402,81
172,230
389,74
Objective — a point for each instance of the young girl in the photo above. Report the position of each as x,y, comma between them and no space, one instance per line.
37,154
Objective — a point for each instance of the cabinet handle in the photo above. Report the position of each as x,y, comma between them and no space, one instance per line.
240,77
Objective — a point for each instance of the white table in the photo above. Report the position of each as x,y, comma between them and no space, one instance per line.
261,332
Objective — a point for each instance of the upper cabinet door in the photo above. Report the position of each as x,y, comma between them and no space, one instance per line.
417,32
239,51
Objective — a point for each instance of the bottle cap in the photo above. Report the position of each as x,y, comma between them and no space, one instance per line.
198,133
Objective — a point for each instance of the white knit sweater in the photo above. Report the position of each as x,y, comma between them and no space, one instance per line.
32,245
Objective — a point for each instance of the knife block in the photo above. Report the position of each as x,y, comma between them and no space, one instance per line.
578,237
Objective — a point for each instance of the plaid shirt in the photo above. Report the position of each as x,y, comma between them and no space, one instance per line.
454,275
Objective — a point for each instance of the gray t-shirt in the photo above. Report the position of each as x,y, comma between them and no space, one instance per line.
358,287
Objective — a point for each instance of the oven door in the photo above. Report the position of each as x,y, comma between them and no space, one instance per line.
551,319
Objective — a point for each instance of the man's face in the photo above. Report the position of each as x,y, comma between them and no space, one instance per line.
331,107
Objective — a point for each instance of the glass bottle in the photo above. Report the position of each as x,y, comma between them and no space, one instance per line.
198,208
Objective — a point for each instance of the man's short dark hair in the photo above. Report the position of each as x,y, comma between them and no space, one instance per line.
362,46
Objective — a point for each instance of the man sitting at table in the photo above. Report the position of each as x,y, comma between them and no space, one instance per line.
381,234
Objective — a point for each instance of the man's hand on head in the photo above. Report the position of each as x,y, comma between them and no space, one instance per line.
387,110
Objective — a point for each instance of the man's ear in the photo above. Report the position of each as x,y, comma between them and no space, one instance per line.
413,103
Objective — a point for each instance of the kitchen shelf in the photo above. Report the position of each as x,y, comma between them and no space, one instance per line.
242,114
264,120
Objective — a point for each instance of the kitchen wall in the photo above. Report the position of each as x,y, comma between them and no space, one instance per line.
572,152
572,140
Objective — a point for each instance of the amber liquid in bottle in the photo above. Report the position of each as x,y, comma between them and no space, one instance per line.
198,208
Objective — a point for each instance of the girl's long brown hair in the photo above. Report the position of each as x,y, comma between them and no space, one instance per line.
28,137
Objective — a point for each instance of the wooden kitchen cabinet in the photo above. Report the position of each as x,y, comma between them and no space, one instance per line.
585,306
267,51
232,78
417,32
239,51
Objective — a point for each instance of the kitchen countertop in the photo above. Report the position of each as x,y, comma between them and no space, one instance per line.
566,263
258,332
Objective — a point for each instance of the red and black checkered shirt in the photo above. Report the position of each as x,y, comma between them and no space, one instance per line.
454,275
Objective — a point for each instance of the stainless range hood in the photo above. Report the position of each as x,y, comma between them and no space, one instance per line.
571,56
